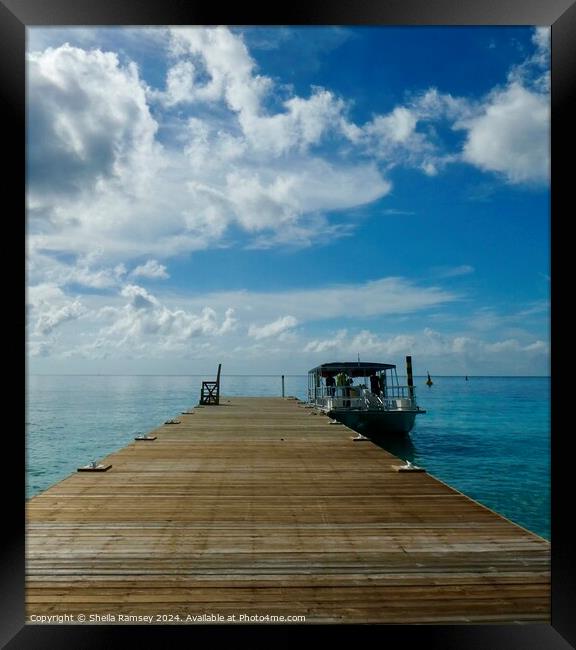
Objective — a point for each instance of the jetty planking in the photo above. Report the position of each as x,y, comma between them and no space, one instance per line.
256,506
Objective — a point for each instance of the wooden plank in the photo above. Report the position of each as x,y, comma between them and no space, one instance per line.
258,505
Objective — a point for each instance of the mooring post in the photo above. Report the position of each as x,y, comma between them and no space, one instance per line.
409,377
282,385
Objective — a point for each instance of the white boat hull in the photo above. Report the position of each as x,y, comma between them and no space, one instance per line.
376,422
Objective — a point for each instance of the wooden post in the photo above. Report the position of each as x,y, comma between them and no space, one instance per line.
218,384
409,377
282,385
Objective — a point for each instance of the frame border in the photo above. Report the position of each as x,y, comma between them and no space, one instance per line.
16,15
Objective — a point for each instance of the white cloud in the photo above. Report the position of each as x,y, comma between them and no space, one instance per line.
534,71
136,318
397,126
453,272
486,319
99,178
179,84
88,123
277,197
507,132
242,164
328,345
39,348
272,329
144,323
152,269
225,69
445,354
386,296
539,347
511,136
303,124
50,319
49,307
432,105
138,324
44,269
406,135
396,211
541,38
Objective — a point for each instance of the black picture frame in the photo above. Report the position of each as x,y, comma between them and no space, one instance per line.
16,15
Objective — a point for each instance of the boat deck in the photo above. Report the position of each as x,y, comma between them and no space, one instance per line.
259,506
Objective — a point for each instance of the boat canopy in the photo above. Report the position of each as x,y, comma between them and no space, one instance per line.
351,368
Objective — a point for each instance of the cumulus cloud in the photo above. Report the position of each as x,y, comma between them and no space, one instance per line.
179,84
99,178
445,352
151,269
393,139
406,136
303,123
511,136
137,317
144,319
241,157
88,122
272,329
506,132
398,126
49,307
348,344
52,317
85,270
244,161
225,68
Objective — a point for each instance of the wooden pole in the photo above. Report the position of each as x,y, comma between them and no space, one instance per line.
282,385
409,377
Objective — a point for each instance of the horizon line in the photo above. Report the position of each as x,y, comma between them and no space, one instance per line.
279,374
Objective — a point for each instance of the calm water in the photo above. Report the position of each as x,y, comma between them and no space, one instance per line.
488,437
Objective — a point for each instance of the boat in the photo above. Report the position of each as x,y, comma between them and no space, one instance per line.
365,396
429,381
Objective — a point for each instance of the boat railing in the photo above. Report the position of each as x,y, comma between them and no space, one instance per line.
331,397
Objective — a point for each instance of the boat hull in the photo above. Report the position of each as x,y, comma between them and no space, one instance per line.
376,422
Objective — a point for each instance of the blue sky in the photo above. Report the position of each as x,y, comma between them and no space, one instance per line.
273,198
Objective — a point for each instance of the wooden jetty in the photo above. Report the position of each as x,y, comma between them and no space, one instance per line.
259,507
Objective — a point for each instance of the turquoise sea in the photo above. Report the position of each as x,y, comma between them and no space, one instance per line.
488,437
